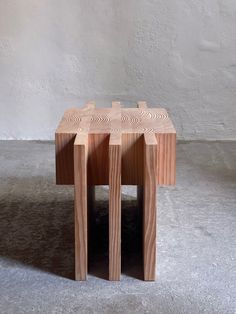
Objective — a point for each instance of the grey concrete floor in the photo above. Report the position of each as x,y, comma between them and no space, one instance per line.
196,269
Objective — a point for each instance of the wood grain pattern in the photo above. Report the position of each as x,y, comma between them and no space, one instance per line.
64,143
132,159
115,206
131,123
98,159
81,236
100,146
166,161
149,206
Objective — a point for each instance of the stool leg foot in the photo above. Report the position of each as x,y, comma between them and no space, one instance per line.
114,207
80,181
149,207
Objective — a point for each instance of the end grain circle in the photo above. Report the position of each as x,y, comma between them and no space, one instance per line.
150,115
100,119
130,119
72,118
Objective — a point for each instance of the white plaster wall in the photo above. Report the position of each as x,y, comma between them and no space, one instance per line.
56,54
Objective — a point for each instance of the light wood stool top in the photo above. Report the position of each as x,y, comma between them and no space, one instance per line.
130,124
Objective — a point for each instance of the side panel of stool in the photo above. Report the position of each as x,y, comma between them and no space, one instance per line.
64,143
166,159
149,206
132,159
80,178
115,206
98,172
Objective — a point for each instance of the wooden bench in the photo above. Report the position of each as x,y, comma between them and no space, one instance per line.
115,146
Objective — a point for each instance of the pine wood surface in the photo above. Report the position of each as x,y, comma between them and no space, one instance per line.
115,146
149,206
131,123
81,232
115,206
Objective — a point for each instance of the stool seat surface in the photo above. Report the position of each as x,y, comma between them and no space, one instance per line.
100,128
115,120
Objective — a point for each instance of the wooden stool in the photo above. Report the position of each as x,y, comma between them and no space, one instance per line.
115,146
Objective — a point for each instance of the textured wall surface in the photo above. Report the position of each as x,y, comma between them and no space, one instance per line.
56,54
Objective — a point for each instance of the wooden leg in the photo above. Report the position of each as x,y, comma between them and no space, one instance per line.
115,207
80,181
149,206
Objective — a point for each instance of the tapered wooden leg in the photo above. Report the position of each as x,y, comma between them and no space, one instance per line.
149,206
80,181
115,207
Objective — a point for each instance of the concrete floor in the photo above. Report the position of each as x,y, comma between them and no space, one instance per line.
196,270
